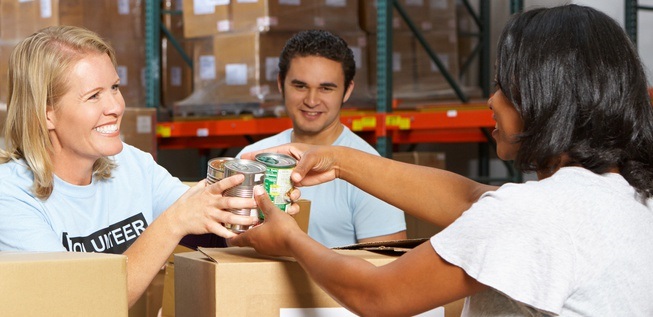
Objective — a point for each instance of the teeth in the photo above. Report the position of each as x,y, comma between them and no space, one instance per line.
107,128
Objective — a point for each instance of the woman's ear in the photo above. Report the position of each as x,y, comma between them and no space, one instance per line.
50,117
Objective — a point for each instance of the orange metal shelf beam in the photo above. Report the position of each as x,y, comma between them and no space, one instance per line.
437,124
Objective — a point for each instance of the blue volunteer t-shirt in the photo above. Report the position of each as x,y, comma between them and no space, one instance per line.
105,216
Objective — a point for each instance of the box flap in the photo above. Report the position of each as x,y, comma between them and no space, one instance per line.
237,254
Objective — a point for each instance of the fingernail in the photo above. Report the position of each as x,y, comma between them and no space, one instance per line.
258,190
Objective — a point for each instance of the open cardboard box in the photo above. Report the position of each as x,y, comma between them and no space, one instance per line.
241,282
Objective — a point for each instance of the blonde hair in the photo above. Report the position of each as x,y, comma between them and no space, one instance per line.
38,68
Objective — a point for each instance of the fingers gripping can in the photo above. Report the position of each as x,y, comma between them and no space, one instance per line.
254,173
277,177
215,170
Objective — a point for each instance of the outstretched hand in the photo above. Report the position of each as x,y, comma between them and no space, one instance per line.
273,235
315,164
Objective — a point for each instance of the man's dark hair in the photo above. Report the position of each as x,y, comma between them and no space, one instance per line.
318,43
577,82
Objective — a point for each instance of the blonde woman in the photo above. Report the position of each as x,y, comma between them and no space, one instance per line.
68,182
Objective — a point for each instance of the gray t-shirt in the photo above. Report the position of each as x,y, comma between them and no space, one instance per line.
574,244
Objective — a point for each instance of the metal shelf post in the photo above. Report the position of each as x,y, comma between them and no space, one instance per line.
152,53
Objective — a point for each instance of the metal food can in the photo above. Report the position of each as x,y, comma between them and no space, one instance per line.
215,170
277,177
254,173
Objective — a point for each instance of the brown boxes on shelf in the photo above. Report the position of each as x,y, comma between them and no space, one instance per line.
122,24
176,73
114,20
403,63
63,284
19,19
246,65
415,227
205,18
337,15
240,282
138,128
445,46
274,15
426,15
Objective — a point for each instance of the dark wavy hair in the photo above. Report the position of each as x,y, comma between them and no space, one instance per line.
578,83
318,43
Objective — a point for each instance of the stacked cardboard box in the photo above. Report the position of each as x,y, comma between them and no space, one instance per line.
415,75
120,22
176,72
237,44
417,228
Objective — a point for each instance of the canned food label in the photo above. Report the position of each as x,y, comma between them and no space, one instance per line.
277,184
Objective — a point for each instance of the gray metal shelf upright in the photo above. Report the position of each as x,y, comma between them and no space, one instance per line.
632,8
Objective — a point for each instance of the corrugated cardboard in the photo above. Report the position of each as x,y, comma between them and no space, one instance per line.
63,284
417,228
241,282
274,15
150,302
206,18
247,66
138,128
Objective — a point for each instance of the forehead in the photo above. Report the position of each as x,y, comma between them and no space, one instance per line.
312,67
90,71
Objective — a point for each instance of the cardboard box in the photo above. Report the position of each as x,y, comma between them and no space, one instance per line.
149,304
445,46
274,15
138,129
426,15
403,63
240,282
339,15
168,305
115,20
21,18
63,284
206,17
247,66
417,228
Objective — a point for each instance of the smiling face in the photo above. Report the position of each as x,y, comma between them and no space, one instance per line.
314,91
84,125
508,125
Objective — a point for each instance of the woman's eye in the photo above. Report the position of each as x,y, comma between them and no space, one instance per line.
94,96
115,87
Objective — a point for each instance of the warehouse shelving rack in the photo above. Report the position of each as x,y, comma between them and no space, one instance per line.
452,122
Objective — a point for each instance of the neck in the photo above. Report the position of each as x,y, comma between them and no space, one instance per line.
324,137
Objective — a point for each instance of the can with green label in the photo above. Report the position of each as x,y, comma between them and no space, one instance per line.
277,178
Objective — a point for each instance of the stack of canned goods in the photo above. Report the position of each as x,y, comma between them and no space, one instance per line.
270,170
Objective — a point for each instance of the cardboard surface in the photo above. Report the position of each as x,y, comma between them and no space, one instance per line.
417,228
241,282
63,284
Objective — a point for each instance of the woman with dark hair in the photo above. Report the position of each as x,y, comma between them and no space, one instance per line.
571,104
